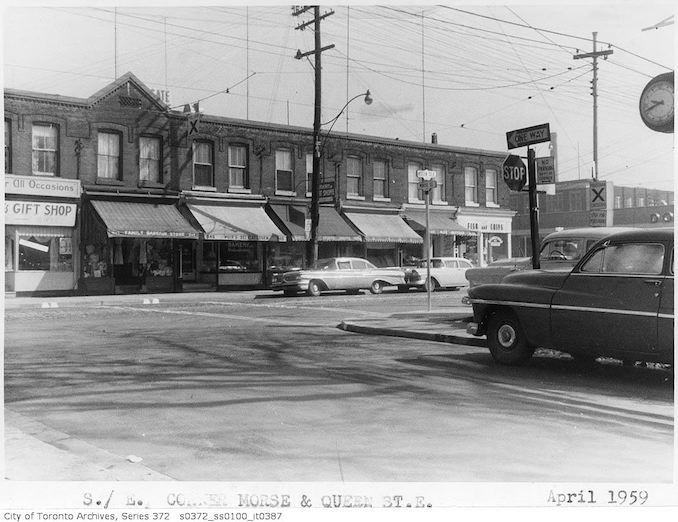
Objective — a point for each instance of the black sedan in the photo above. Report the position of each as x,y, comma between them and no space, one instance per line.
616,302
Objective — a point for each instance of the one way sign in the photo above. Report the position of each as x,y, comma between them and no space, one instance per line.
528,136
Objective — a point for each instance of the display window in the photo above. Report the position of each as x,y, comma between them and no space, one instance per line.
42,253
286,256
240,256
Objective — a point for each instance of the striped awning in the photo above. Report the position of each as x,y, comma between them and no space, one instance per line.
131,219
383,228
236,222
439,223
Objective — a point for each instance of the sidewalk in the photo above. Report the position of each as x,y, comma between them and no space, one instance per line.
442,326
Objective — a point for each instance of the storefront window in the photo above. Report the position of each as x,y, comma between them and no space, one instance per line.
286,256
94,263
44,253
9,253
239,256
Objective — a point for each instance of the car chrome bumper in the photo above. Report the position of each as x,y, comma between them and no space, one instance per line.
472,328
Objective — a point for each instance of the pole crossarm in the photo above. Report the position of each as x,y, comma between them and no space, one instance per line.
306,24
301,55
594,54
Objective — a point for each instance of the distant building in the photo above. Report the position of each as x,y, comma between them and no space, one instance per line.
119,193
583,203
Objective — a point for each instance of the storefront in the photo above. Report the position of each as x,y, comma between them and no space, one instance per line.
448,238
236,240
132,246
40,234
387,239
493,227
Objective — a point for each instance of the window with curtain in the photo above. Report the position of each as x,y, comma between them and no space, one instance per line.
471,185
203,166
237,167
149,159
8,146
284,176
354,176
490,186
108,155
45,253
380,175
438,193
414,195
45,140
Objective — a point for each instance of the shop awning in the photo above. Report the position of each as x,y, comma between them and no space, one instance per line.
236,222
125,219
440,223
383,228
332,227
293,218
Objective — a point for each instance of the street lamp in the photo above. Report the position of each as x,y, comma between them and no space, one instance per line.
318,146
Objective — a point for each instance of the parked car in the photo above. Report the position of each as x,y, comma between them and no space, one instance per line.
616,302
559,250
339,273
446,272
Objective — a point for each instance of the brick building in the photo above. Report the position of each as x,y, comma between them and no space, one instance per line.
154,199
574,202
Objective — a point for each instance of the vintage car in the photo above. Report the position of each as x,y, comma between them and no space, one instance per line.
446,272
560,250
616,302
339,273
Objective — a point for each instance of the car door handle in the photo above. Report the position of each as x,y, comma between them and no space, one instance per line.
655,282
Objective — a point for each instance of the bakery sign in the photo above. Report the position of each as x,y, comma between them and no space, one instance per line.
42,186
42,213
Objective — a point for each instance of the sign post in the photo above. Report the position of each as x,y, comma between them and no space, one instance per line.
524,138
426,184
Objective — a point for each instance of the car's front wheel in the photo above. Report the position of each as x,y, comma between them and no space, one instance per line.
506,339
314,288
376,287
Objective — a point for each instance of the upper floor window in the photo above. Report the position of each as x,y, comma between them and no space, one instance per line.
203,164
149,159
309,173
45,146
108,155
414,195
284,175
640,202
490,186
438,193
617,202
237,167
354,176
628,202
471,185
8,146
380,176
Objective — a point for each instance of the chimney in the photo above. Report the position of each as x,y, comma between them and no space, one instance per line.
434,138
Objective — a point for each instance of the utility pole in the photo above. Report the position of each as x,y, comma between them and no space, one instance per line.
312,246
594,91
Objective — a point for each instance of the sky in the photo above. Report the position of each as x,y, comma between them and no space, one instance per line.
469,72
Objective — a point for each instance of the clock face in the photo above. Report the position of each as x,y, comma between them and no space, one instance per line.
657,103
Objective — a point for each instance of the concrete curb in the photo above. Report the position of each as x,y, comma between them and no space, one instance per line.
410,334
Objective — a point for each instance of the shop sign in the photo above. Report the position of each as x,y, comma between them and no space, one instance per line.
41,213
42,186
546,170
495,241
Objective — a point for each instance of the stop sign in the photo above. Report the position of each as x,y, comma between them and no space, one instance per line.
514,172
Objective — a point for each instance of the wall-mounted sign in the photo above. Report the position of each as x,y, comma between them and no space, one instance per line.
41,213
42,186
599,215
326,192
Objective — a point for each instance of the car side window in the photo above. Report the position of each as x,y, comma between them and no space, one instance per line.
630,258
437,263
465,264
344,265
359,265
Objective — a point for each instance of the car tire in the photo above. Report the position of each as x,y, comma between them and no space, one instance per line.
313,288
506,339
376,287
434,285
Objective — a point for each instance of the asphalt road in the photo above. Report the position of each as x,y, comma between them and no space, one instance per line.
256,387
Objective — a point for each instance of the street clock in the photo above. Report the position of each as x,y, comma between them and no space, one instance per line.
657,103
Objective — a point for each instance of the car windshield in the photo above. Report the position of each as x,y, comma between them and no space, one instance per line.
569,249
325,264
